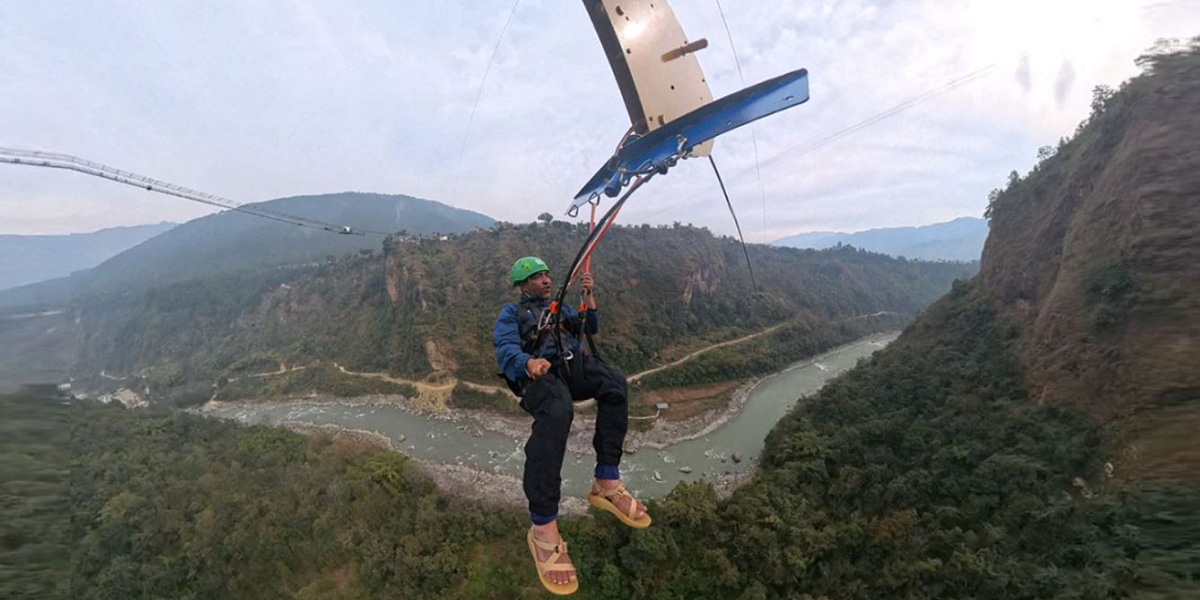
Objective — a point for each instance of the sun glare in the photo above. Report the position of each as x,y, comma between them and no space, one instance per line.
1073,29
1055,49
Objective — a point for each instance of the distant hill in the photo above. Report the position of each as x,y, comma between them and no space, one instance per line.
232,241
26,259
960,239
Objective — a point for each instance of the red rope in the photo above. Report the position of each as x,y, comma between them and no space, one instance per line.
587,257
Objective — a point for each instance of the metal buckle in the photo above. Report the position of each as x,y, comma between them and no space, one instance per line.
543,320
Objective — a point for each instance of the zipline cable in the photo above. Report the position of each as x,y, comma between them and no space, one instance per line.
762,190
809,146
478,95
56,160
735,220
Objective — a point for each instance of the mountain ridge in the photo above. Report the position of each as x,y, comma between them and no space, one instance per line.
958,239
228,241
232,240
28,259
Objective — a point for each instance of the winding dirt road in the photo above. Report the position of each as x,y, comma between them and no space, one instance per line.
746,338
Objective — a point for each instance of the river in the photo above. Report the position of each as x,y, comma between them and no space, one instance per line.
648,473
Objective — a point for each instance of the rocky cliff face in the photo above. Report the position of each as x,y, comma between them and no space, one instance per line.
1095,258
657,288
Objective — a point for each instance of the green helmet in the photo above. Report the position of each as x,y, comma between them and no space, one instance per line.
525,268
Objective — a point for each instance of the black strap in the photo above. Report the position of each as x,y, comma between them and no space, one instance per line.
582,327
591,344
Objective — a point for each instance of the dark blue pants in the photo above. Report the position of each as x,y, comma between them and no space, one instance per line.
549,400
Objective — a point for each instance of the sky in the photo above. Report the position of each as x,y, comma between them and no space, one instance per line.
260,100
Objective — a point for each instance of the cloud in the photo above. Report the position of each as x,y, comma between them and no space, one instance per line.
269,99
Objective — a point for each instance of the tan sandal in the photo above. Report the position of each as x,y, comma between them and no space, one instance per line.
551,564
605,499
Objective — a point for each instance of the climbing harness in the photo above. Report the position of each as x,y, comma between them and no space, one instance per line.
537,326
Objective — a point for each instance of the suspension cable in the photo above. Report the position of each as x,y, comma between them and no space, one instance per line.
478,95
762,190
56,160
735,220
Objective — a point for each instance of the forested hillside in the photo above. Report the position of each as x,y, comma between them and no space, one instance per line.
216,510
35,503
426,307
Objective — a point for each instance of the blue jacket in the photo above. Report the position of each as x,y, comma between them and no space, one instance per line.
506,335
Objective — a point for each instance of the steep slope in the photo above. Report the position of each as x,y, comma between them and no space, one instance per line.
1094,257
26,259
426,307
961,239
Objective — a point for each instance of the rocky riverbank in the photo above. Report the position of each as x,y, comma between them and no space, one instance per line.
662,433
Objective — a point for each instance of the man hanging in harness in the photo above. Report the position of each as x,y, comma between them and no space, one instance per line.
548,368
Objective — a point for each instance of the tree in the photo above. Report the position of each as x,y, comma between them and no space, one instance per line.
1101,95
991,203
546,218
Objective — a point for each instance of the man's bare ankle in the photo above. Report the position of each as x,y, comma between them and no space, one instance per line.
546,532
608,484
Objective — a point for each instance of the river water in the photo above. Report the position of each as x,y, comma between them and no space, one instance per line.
648,473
